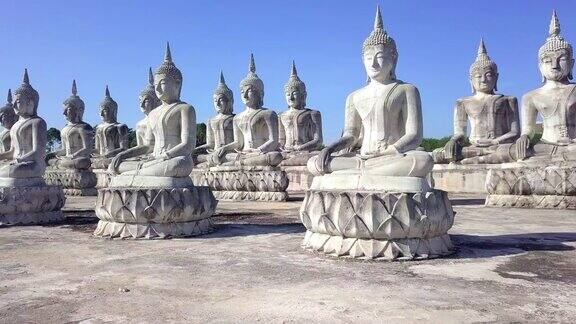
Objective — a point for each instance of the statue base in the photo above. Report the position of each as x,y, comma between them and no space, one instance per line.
346,216
246,183
102,178
524,185
29,205
74,182
299,178
154,212
461,178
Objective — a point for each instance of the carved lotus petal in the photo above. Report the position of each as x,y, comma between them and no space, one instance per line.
343,212
316,208
373,212
356,228
372,248
325,225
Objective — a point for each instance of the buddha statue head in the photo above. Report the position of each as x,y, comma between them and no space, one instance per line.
295,90
108,108
379,53
26,98
223,97
483,72
556,56
168,80
74,106
8,116
252,87
148,98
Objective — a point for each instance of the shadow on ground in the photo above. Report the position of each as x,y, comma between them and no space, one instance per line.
467,201
478,246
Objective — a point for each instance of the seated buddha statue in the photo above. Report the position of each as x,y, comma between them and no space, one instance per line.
493,118
170,135
385,114
28,139
300,128
77,137
554,101
8,118
148,101
220,128
111,137
255,129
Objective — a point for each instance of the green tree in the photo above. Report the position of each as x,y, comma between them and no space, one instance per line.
132,141
430,144
54,139
200,134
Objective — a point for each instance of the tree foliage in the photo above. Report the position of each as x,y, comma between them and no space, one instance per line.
430,144
200,134
54,139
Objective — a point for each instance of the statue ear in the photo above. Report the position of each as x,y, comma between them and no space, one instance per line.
496,84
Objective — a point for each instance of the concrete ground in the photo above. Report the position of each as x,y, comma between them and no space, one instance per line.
511,266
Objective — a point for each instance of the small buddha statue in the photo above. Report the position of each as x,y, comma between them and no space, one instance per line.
8,118
554,101
28,139
220,128
385,114
170,135
255,129
494,118
111,136
77,137
148,101
300,128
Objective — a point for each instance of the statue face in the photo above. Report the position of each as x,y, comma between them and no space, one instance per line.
556,66
72,114
380,63
167,89
296,99
107,114
251,97
147,104
24,106
484,80
221,104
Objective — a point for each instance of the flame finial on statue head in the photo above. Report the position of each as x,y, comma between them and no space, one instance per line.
252,79
379,36
294,83
482,61
26,90
222,89
74,100
168,68
555,41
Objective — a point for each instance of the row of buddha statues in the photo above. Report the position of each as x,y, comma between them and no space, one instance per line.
370,195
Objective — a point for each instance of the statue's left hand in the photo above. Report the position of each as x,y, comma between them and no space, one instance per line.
115,163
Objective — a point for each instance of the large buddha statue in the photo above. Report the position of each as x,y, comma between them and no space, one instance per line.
111,136
385,116
220,128
300,128
255,129
376,203
159,196
493,118
148,101
77,137
8,118
25,197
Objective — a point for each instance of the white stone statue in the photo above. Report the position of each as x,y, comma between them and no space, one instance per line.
111,136
300,128
77,137
220,128
24,196
493,118
148,101
385,116
377,204
8,118
255,129
162,198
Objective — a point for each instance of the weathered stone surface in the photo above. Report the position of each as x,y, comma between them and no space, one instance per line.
524,186
102,178
376,225
31,205
457,178
244,183
75,182
154,213
299,178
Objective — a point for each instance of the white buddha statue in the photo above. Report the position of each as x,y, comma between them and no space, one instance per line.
220,128
8,118
148,101
385,116
300,128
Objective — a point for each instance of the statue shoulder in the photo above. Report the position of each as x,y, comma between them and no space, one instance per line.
39,122
85,126
529,96
407,88
122,127
185,106
351,99
269,113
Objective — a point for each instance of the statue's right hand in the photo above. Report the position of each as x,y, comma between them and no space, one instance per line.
450,149
323,160
522,145
115,163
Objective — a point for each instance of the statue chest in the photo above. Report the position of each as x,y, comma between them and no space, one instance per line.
72,139
107,135
23,135
253,126
5,141
298,127
223,130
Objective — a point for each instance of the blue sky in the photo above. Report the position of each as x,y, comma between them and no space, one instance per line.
114,43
